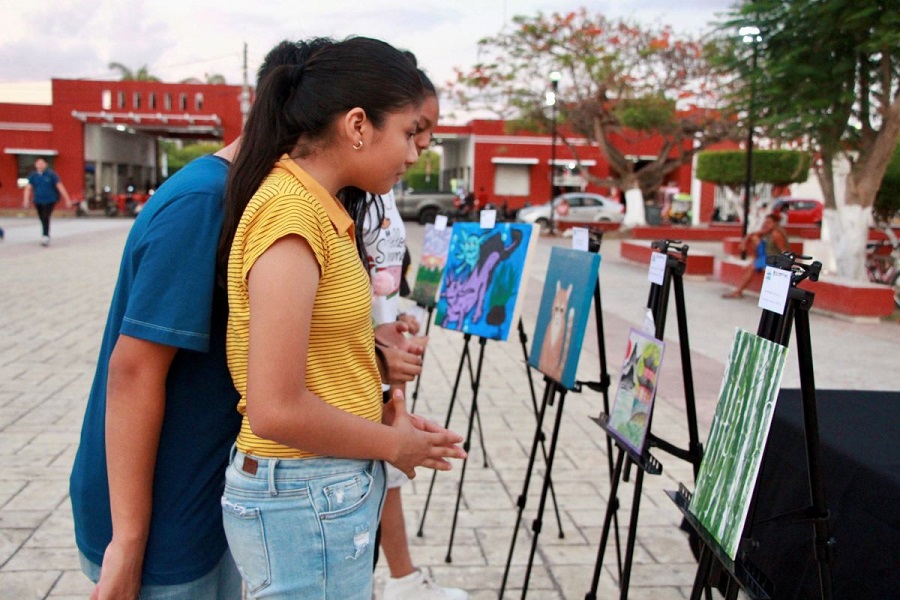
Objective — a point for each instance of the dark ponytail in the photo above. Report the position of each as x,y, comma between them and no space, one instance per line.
296,104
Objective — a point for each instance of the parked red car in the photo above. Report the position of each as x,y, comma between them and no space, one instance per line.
798,211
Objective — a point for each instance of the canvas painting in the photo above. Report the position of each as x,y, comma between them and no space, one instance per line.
431,266
484,278
737,437
632,408
563,314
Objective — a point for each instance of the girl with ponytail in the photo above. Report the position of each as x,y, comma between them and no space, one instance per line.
306,481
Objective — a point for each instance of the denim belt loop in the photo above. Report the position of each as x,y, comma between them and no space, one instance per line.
273,491
232,453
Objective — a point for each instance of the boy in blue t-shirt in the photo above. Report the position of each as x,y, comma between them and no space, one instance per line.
164,401
163,398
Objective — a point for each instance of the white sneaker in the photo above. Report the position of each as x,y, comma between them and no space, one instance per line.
418,586
45,241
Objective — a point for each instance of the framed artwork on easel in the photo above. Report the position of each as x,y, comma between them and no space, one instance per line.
632,409
431,266
737,437
483,287
563,314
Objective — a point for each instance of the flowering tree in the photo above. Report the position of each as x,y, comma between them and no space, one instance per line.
617,79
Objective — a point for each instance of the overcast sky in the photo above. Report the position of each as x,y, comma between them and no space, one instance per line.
177,39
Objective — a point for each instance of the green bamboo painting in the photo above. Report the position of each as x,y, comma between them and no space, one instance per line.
737,437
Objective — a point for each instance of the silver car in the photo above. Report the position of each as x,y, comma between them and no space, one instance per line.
574,207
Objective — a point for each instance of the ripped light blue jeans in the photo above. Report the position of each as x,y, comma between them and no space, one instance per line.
303,528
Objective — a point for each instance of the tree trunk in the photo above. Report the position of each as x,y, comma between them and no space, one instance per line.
848,231
825,175
867,172
634,202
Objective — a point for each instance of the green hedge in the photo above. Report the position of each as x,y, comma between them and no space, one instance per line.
417,182
729,167
415,175
178,157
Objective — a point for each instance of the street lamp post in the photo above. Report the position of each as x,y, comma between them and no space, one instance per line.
750,35
555,76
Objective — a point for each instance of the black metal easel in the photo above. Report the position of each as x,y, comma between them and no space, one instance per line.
658,301
475,381
415,394
551,389
777,328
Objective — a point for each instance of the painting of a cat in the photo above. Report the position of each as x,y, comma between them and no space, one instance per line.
558,334
563,315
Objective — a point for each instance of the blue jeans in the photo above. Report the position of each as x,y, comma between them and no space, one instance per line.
222,583
303,528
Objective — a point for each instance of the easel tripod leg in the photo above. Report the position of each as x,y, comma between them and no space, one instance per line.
524,341
604,537
538,522
632,535
462,362
415,394
538,437
604,381
467,444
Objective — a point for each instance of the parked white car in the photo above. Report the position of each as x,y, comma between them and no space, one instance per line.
579,207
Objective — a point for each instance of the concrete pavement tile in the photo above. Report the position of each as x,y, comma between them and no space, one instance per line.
27,585
656,593
666,544
13,441
11,539
485,494
657,575
22,519
575,581
56,531
557,553
39,494
72,584
10,488
59,559
496,542
463,556
42,455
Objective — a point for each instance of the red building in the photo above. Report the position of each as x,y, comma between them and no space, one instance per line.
104,134
514,167
98,134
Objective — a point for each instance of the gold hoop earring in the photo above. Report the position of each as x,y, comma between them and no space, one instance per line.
358,145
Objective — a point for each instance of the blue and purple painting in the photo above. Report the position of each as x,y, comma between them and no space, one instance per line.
563,315
484,278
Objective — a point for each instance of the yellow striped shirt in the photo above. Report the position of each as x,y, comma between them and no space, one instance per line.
340,366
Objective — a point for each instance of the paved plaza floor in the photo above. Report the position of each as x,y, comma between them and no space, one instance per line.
53,305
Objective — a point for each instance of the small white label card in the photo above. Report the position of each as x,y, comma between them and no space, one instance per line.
488,218
775,287
657,268
580,238
440,222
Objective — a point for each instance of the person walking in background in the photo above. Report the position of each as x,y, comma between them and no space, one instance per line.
305,485
384,238
769,239
45,189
